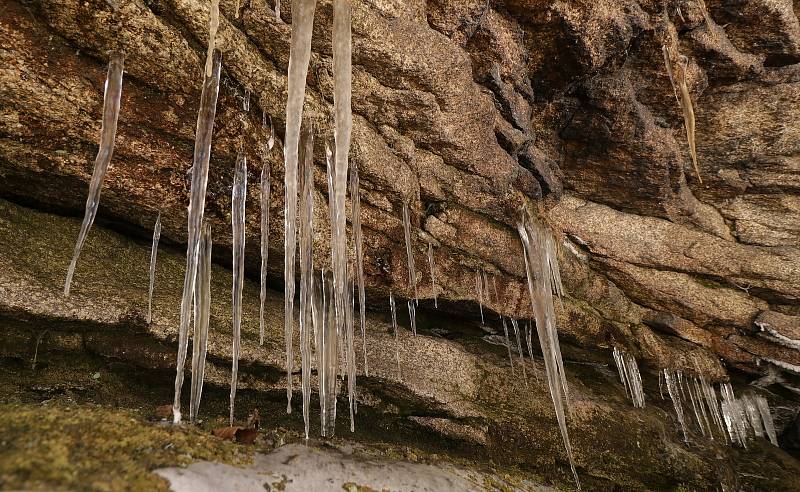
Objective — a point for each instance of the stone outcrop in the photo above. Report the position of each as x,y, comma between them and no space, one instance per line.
467,110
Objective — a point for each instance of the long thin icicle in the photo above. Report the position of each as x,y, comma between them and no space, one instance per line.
630,376
671,380
306,263
393,309
197,203
264,202
508,342
433,276
237,218
153,255
342,86
412,315
412,270
540,274
108,132
202,314
327,350
479,291
213,25
299,56
358,244
515,325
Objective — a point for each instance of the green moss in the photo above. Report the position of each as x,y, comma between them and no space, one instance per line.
93,448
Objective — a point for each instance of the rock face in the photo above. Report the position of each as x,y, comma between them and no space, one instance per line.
467,110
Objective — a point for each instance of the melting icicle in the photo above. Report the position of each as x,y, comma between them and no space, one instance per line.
264,202
237,217
213,25
508,342
630,377
202,313
479,292
153,255
108,132
306,263
540,271
412,314
358,244
519,349
299,56
433,276
412,271
197,202
393,308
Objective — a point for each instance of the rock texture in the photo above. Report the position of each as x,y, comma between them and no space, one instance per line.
468,110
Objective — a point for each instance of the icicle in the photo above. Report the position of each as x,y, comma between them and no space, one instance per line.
393,309
753,415
529,342
108,132
246,101
674,394
433,276
197,201
766,417
264,202
350,354
239,196
630,377
713,404
358,244
412,271
278,9
299,56
696,411
519,349
306,156
153,255
508,343
213,25
479,292
700,403
412,314
539,267
328,353
734,414
202,313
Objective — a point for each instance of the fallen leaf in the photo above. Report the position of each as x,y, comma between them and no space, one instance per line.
228,433
163,412
246,436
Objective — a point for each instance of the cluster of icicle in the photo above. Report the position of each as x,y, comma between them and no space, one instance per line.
544,280
332,293
733,419
629,376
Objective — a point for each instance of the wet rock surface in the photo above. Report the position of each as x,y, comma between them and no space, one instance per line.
466,110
